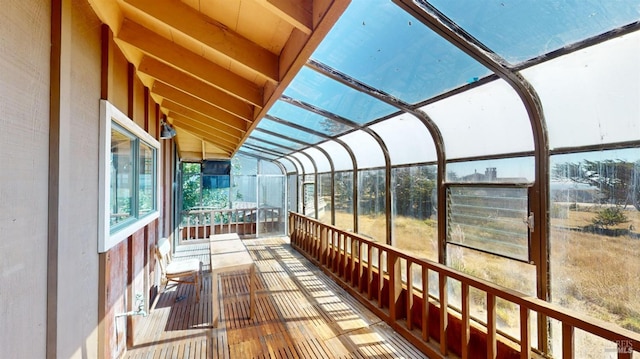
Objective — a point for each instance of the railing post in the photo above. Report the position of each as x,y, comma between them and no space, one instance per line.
409,300
567,341
425,303
395,285
444,319
492,350
464,326
525,333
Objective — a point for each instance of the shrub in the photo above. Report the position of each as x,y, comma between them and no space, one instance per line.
609,216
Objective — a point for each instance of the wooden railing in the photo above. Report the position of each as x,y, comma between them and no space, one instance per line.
201,223
354,261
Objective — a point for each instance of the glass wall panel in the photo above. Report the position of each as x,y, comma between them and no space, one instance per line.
383,46
486,120
292,198
504,170
322,163
371,204
271,212
415,223
244,165
521,30
308,119
594,238
191,185
339,155
325,202
590,97
343,202
407,139
365,148
320,91
244,192
489,219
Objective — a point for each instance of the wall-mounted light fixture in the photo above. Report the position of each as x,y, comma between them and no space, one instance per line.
167,131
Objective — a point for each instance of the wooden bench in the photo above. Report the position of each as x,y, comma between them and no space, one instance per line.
229,254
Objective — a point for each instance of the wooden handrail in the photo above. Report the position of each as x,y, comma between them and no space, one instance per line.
341,254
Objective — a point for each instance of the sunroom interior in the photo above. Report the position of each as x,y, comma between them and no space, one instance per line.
481,157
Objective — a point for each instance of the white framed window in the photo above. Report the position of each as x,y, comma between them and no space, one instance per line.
129,177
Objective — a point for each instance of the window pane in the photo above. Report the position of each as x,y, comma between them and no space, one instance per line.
341,159
415,224
269,168
191,185
292,184
594,238
486,120
504,170
243,192
344,200
371,205
489,219
122,177
590,97
146,179
319,158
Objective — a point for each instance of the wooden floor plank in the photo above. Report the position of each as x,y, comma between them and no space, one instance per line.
299,313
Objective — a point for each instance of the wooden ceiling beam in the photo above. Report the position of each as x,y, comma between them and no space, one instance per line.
203,135
212,35
165,91
179,57
203,119
298,13
197,88
231,140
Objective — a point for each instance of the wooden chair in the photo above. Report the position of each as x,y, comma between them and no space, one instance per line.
188,271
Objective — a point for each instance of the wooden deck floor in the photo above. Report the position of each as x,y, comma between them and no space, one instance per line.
300,313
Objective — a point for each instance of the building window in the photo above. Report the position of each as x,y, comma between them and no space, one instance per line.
128,178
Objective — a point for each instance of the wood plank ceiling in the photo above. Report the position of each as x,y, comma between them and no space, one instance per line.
216,66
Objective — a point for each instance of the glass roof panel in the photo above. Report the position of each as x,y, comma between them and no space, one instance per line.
591,96
275,139
254,153
520,30
486,120
308,119
288,165
322,163
339,155
407,139
366,149
288,131
306,162
253,142
269,168
325,93
381,45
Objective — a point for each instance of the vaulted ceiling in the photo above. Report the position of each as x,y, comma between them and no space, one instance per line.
216,66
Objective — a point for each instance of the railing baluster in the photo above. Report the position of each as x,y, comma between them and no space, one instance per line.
380,277
425,303
444,319
395,284
464,326
409,300
567,341
370,271
525,333
492,351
